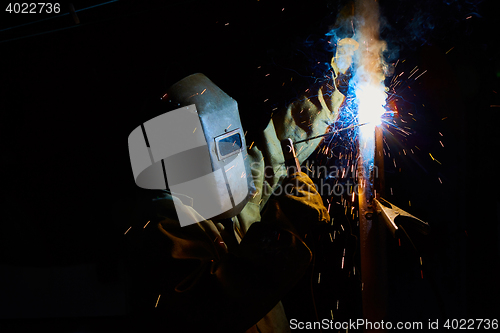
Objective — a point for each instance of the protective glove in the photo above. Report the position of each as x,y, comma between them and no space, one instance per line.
297,205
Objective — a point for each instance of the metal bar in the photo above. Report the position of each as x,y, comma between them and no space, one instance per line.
372,233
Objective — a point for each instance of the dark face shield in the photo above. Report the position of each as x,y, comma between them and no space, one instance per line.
228,144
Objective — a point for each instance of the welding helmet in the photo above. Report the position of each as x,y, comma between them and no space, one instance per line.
197,148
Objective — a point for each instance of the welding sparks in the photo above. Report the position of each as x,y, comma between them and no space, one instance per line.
368,100
420,76
367,82
157,300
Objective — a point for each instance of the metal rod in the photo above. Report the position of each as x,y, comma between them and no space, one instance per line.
330,133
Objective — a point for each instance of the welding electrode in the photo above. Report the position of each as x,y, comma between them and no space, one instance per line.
330,133
287,145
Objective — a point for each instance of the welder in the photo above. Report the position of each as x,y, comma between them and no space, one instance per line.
228,272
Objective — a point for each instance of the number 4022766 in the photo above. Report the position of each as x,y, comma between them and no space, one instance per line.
33,8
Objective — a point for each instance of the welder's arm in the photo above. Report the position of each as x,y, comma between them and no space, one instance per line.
272,256
269,261
232,290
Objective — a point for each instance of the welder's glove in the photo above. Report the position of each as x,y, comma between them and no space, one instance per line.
297,205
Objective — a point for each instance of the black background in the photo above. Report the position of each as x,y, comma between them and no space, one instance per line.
70,94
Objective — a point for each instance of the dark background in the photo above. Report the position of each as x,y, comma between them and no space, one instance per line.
70,94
